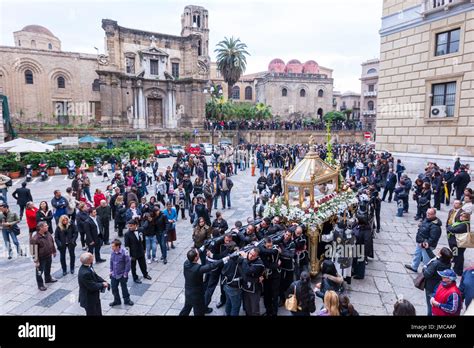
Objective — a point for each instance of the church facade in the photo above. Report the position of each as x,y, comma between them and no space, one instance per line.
146,80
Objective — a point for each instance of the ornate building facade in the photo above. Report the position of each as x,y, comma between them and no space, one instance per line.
426,80
369,87
145,79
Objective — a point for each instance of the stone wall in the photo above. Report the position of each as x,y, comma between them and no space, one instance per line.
391,7
2,126
184,137
408,70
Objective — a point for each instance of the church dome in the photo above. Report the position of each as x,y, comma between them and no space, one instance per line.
38,29
294,66
276,65
311,67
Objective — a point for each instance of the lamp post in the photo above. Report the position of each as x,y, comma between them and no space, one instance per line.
216,93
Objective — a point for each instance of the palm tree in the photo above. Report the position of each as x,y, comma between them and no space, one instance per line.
231,60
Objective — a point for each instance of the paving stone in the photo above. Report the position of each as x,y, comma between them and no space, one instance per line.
366,285
400,280
138,309
171,293
383,285
138,289
53,298
395,267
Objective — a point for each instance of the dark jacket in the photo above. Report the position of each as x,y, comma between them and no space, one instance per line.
22,196
42,245
148,229
391,181
429,231
461,181
430,272
161,222
467,286
47,218
201,211
90,285
65,237
193,272
187,186
60,205
120,214
457,228
221,225
104,213
136,247
81,218
91,231
251,272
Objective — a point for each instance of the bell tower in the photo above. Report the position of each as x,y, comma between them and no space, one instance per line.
194,21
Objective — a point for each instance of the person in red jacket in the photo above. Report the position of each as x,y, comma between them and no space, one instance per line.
98,196
447,299
30,212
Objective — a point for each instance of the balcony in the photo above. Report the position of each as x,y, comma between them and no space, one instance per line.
432,6
370,94
369,113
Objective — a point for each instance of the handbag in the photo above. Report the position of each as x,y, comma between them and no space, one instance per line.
291,302
465,240
15,229
419,282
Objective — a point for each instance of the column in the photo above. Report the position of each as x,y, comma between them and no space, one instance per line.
141,109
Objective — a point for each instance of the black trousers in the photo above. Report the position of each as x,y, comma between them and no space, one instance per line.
43,268
194,301
286,278
212,279
105,229
62,256
251,302
437,199
22,210
458,261
271,290
115,289
95,249
94,311
83,237
390,191
141,264
300,268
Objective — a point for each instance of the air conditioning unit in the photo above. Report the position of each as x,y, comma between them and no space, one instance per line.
438,111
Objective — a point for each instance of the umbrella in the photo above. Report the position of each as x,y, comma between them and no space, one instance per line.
91,139
54,142
31,147
16,142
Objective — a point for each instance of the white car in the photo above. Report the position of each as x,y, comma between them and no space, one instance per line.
206,149
176,149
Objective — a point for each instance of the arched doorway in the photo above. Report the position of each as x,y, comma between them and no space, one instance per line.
320,114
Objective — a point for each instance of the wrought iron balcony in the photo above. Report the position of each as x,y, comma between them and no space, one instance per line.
370,94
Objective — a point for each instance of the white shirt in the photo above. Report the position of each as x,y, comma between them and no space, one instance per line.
467,207
137,235
96,223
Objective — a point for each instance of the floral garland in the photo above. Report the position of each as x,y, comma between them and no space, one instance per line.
326,207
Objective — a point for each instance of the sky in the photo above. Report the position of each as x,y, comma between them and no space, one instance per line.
338,34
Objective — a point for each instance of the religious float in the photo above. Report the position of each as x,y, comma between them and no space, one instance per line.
314,196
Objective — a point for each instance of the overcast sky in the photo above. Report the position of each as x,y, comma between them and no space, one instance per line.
338,34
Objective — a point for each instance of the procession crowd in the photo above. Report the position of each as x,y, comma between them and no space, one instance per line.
260,257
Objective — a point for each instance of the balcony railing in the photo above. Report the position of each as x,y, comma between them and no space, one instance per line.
431,6
370,94
369,112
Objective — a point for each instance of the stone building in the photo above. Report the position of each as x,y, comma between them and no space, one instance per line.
295,89
368,98
45,84
145,79
426,80
350,101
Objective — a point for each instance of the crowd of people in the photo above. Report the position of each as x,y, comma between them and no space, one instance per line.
262,257
283,125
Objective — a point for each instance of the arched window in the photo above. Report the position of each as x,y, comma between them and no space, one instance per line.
284,92
28,77
248,93
320,113
320,93
372,71
199,48
61,82
96,85
50,46
236,93
303,93
371,105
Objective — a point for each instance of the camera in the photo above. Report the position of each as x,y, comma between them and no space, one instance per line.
103,289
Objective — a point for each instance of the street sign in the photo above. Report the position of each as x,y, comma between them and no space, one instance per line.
195,131
70,141
367,135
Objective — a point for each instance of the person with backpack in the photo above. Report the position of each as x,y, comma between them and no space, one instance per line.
5,182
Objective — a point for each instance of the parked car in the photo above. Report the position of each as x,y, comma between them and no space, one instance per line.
161,151
176,149
206,149
193,149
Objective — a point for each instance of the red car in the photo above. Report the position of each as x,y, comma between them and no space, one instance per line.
161,151
193,149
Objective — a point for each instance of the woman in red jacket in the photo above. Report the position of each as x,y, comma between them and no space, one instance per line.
98,196
31,216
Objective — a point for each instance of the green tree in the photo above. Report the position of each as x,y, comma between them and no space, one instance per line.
231,60
262,112
334,116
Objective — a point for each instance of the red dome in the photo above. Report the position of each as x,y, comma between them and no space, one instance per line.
294,66
277,66
311,67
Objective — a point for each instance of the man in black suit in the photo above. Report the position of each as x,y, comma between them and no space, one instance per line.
193,282
93,237
90,286
461,181
22,196
136,248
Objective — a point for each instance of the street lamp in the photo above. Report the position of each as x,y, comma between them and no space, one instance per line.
216,93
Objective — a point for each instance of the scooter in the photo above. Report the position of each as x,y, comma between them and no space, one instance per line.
29,172
98,167
71,169
43,171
